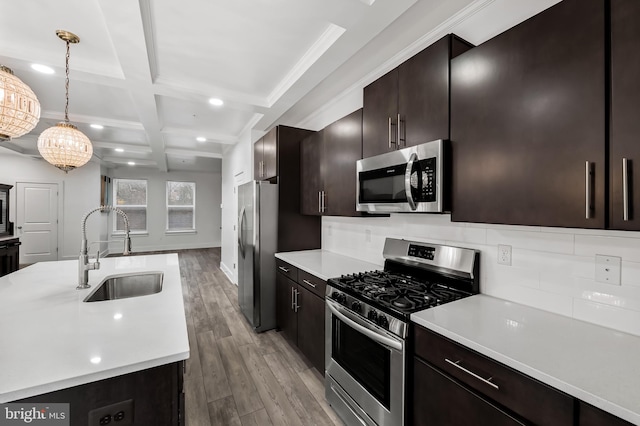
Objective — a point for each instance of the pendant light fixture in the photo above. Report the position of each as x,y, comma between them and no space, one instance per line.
19,106
63,145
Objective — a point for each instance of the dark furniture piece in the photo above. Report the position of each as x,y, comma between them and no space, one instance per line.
528,122
5,226
300,311
446,392
624,146
9,256
328,168
156,393
410,104
280,149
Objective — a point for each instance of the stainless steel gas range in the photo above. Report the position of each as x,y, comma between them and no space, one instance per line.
367,325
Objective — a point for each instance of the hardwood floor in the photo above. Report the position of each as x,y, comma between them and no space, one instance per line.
235,376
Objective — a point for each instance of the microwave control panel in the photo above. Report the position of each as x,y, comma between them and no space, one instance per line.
428,187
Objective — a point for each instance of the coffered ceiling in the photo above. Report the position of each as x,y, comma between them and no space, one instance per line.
146,69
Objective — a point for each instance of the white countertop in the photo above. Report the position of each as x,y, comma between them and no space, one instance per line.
592,363
325,264
7,237
51,340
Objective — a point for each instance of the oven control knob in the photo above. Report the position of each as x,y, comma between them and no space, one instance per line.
335,295
373,315
356,306
341,298
383,322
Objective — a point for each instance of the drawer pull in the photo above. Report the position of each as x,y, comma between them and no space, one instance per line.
309,283
471,373
283,269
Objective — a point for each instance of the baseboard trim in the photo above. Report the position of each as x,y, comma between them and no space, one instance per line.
227,272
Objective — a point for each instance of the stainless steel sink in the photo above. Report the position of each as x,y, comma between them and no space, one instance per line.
127,285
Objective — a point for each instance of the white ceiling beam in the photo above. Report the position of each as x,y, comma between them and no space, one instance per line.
124,18
188,153
88,119
222,138
139,149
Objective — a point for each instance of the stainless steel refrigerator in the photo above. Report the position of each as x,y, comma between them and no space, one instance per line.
257,245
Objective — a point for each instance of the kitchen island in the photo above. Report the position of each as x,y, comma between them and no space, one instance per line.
53,342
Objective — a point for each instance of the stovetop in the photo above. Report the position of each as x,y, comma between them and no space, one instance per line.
396,293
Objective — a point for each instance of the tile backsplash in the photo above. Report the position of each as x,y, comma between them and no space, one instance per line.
551,268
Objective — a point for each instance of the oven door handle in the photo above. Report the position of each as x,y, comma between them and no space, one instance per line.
407,181
364,328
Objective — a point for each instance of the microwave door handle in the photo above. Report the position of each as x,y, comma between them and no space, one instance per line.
407,181
362,327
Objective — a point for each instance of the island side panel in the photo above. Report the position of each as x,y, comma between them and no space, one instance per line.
157,395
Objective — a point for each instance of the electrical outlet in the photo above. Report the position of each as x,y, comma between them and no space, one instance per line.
608,269
504,255
329,230
367,235
118,414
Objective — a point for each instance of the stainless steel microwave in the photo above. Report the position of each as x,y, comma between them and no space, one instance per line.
406,180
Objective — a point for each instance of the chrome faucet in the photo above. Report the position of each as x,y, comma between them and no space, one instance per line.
84,266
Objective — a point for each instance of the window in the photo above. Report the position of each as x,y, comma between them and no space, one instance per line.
130,195
181,206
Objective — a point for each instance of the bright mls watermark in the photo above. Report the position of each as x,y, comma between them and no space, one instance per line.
38,414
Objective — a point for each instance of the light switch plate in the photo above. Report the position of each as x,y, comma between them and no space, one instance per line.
608,269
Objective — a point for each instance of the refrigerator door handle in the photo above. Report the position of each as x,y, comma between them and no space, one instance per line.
241,232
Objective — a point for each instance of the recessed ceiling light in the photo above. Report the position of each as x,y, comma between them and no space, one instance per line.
201,139
97,126
42,68
131,163
216,101
119,150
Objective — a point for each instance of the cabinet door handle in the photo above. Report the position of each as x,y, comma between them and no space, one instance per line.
588,173
319,201
391,142
625,189
283,269
457,365
323,208
309,283
296,301
293,299
399,138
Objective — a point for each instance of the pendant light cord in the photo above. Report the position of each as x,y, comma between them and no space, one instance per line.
66,87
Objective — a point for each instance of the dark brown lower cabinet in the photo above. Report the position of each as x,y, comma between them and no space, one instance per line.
9,255
491,381
286,316
156,393
592,416
300,311
454,385
440,400
311,327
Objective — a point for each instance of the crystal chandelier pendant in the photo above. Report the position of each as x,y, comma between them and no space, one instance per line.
64,145
19,106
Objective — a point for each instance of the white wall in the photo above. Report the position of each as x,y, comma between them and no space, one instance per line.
79,192
208,212
237,168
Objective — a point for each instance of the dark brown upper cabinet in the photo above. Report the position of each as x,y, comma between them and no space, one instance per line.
410,104
528,122
265,159
328,168
624,146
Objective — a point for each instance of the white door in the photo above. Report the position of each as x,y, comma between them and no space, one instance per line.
37,221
